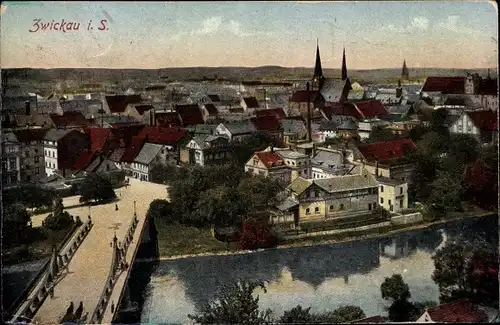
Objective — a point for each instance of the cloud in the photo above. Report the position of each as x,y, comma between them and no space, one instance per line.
420,23
2,9
417,23
209,26
454,24
235,28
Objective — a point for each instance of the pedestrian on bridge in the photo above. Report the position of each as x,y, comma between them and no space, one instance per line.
79,311
70,308
116,207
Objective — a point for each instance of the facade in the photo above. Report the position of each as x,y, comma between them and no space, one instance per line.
328,163
11,160
32,154
206,150
393,194
336,197
298,163
482,125
236,131
268,164
249,104
149,155
365,127
293,131
62,148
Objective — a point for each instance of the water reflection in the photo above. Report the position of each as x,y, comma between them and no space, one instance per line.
324,277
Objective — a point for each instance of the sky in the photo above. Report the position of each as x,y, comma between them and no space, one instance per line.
453,34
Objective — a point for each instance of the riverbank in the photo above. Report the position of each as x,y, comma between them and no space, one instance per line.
200,242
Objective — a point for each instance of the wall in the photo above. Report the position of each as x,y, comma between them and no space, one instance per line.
407,219
392,193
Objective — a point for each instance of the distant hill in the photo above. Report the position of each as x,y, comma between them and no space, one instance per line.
65,79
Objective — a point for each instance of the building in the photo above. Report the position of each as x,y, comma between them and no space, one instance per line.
249,104
298,103
366,126
393,194
294,131
298,163
166,119
118,104
88,107
206,150
69,120
210,112
143,113
32,154
268,124
96,162
461,311
236,131
482,125
328,163
11,160
149,155
405,74
190,114
268,164
277,112
61,148
335,197
173,139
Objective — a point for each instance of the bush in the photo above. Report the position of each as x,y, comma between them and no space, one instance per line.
256,234
58,222
97,189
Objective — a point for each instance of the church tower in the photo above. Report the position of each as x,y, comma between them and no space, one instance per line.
404,73
344,66
318,77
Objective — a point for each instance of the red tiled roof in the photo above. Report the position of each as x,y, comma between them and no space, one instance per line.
300,96
98,138
211,109
266,123
167,119
380,151
83,160
279,113
118,103
126,133
167,136
371,108
269,159
484,120
141,109
190,114
461,311
251,102
342,109
446,85
70,118
133,149
373,319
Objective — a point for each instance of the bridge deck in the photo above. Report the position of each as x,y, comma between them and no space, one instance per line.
87,272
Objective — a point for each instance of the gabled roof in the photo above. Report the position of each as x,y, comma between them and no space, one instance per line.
445,85
214,98
202,129
148,152
142,108
83,160
300,96
73,118
333,89
299,185
211,109
190,114
294,126
347,182
267,123
485,120
28,135
251,102
269,159
56,134
461,311
9,137
342,109
371,108
381,151
118,103
98,138
133,149
279,113
166,136
204,141
167,119
240,127
86,106
117,154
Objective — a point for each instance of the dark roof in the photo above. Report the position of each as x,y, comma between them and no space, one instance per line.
56,134
133,149
488,86
167,136
381,151
277,112
300,96
461,311
372,319
211,109
141,109
342,109
28,135
446,85
251,102
190,114
240,127
86,106
73,118
455,101
118,103
167,119
266,123
214,98
371,108
484,120
98,138
269,159
83,160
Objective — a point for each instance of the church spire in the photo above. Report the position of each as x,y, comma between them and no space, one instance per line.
344,66
318,71
404,73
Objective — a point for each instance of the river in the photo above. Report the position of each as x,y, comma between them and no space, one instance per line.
324,277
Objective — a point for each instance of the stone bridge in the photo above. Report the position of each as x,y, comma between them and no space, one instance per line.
93,267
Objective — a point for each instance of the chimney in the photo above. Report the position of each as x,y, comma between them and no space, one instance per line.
399,90
28,107
309,135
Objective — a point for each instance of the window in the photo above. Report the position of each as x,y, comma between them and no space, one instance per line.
36,150
299,163
305,171
316,194
341,206
45,152
401,203
12,163
391,208
382,188
308,211
316,210
389,202
27,153
401,190
369,206
37,170
381,200
331,207
37,159
293,163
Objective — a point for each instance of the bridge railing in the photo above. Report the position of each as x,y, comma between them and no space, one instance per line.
117,263
48,280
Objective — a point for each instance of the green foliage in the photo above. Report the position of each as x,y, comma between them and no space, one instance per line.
296,315
235,304
467,269
256,234
395,289
256,142
164,174
417,133
463,149
58,219
15,220
490,155
380,133
446,192
221,205
31,196
95,188
438,122
433,144
343,314
423,174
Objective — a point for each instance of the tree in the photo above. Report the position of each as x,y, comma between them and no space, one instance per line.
30,195
380,133
349,313
220,206
480,184
256,234
296,315
259,192
467,269
433,144
161,209
164,174
446,192
463,149
234,305
15,220
423,174
438,122
95,188
397,291
58,219
343,314
418,132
